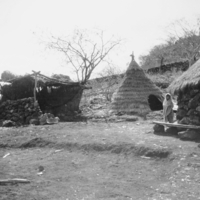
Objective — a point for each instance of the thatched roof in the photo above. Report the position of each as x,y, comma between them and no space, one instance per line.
134,90
189,78
44,79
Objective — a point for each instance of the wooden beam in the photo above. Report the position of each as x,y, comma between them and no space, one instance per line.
176,125
13,181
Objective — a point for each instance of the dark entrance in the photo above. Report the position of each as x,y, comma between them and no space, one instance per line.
154,103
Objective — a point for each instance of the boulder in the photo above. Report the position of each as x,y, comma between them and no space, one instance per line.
191,112
193,103
158,128
28,119
43,119
195,120
181,113
52,120
172,131
34,122
198,109
189,134
8,123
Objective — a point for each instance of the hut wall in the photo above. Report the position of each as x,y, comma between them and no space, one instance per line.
189,107
19,111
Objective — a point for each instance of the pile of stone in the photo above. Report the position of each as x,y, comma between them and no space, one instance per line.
19,112
189,108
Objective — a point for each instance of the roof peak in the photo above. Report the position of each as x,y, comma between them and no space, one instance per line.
132,56
133,64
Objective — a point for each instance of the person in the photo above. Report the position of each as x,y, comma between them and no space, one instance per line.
168,105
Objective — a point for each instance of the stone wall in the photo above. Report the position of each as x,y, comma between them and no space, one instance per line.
189,107
177,66
19,111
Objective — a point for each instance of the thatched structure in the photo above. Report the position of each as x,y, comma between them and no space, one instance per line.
187,88
53,95
136,93
189,79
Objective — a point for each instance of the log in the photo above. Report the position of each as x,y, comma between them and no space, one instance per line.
177,125
13,181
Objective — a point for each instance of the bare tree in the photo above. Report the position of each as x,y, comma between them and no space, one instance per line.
84,51
109,79
183,43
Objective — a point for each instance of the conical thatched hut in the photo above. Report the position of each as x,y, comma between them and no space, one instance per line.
187,87
136,94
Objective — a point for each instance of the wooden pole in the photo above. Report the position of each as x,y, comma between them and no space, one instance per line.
34,90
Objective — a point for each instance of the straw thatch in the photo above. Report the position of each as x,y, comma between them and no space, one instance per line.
133,93
189,79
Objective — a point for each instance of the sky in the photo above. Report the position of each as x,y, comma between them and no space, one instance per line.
142,24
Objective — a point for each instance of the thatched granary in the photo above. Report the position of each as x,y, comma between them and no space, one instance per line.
187,88
137,94
53,95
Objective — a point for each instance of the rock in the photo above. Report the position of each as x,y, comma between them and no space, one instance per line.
172,131
181,113
185,120
193,92
43,119
189,134
158,128
53,120
28,119
194,120
49,115
191,112
194,101
198,109
8,123
34,122
14,119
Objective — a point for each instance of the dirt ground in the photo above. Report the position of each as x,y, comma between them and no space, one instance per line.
98,160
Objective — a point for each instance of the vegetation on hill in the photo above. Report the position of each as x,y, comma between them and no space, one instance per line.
182,44
164,80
